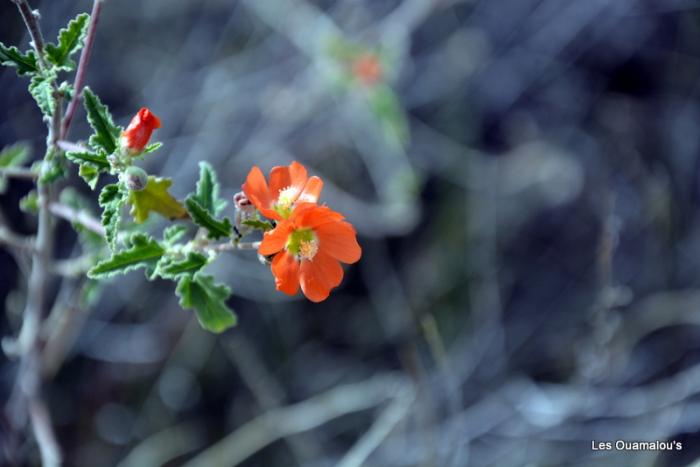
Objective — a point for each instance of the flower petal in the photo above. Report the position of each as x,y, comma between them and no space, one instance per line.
285,268
297,176
313,281
339,240
308,215
279,180
255,188
312,190
275,239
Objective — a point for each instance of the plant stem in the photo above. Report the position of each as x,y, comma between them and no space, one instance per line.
82,68
32,23
18,172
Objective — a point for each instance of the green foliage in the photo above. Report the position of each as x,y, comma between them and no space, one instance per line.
143,251
174,233
151,147
41,89
106,133
155,197
98,159
207,194
201,216
29,203
112,198
208,299
171,268
259,224
70,40
14,155
25,63
91,165
387,108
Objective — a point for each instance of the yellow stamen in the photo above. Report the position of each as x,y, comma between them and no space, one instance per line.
308,249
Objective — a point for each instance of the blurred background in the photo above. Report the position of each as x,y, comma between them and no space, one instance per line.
523,176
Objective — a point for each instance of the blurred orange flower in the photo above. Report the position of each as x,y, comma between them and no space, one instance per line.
288,186
139,131
367,68
309,247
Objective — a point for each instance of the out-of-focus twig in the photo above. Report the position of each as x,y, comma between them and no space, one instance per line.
73,215
11,239
165,445
19,172
381,428
297,418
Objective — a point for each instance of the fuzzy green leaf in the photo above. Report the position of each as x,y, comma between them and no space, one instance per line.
112,198
106,132
70,40
155,197
200,216
208,300
207,194
258,224
173,233
98,159
14,155
171,268
41,89
25,63
90,173
143,251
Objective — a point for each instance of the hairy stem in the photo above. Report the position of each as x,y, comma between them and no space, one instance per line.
82,68
32,22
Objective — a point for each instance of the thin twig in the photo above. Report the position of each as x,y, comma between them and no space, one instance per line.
381,428
30,18
11,239
18,172
41,424
230,246
82,68
278,423
76,216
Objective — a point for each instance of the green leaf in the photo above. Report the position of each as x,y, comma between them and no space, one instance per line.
173,233
106,132
70,40
98,159
259,224
29,203
91,165
171,268
41,89
387,108
155,197
14,155
151,147
90,173
143,251
203,218
111,200
207,194
25,63
208,300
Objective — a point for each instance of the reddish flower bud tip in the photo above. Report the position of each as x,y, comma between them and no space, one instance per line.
367,68
139,131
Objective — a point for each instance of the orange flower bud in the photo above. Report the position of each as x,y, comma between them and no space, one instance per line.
367,69
139,131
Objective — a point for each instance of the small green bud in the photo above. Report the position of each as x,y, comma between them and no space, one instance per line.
135,178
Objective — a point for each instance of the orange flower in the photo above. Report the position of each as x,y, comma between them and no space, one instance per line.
367,69
309,247
139,131
288,186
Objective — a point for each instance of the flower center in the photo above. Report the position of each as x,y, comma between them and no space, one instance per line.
303,244
285,199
